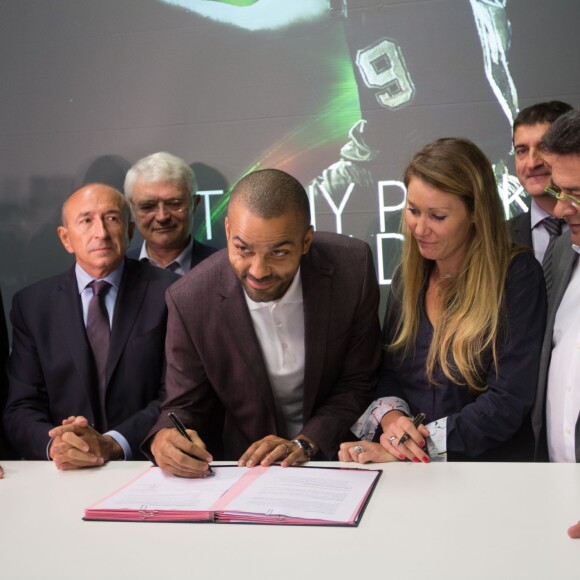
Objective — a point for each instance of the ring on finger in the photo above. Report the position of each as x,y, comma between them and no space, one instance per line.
358,448
392,438
287,449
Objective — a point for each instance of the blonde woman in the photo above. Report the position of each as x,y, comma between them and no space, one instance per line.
464,323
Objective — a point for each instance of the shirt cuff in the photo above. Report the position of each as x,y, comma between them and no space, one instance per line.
367,425
122,442
437,440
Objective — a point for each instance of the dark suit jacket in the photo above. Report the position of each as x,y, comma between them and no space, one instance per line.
51,372
214,359
6,452
565,258
199,252
493,425
521,230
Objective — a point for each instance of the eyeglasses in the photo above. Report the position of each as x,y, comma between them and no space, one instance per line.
556,193
172,206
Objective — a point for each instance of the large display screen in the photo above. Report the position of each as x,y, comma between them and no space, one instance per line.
338,93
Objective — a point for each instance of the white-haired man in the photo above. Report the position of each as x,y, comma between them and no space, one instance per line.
161,189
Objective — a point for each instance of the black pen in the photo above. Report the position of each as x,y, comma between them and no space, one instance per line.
417,420
181,428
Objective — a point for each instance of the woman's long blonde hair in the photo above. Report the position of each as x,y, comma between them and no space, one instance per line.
472,302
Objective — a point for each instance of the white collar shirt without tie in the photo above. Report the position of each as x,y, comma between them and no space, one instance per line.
563,395
181,265
279,326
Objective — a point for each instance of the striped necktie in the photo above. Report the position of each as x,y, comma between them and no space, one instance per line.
554,228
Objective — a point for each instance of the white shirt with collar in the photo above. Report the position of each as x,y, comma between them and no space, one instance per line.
279,326
181,265
563,391
86,291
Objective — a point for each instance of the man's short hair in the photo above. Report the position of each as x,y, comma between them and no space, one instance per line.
563,137
161,166
541,113
271,193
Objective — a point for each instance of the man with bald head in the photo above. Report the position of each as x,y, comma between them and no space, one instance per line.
273,343
87,364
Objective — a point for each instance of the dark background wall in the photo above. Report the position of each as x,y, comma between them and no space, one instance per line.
88,87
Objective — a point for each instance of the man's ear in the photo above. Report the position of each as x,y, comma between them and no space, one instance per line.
227,228
63,235
308,240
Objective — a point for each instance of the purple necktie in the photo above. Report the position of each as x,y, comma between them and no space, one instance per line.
99,334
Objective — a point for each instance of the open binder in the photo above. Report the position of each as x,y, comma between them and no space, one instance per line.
323,496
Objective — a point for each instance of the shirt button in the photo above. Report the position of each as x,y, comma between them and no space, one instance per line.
569,388
568,430
278,324
284,346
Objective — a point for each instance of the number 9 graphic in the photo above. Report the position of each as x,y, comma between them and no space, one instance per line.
383,67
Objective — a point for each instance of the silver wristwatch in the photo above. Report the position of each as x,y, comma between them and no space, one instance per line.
308,449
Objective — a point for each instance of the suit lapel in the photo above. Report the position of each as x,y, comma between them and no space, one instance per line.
565,260
526,231
521,228
243,336
69,313
317,277
132,292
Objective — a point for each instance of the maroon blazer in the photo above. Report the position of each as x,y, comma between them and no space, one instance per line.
216,375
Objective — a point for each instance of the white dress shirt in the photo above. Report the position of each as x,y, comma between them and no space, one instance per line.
563,394
279,326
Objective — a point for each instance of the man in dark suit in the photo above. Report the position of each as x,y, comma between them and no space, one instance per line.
161,189
87,366
5,450
556,413
278,336
530,229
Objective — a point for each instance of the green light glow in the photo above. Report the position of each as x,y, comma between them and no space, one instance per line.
328,126
237,2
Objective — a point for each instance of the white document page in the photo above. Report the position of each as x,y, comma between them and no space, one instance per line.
156,490
310,493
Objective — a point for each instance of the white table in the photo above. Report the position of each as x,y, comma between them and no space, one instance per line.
440,521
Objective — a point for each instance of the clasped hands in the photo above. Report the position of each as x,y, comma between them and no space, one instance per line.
394,424
75,444
177,455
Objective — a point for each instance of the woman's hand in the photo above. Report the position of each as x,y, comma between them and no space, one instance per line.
364,452
395,425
